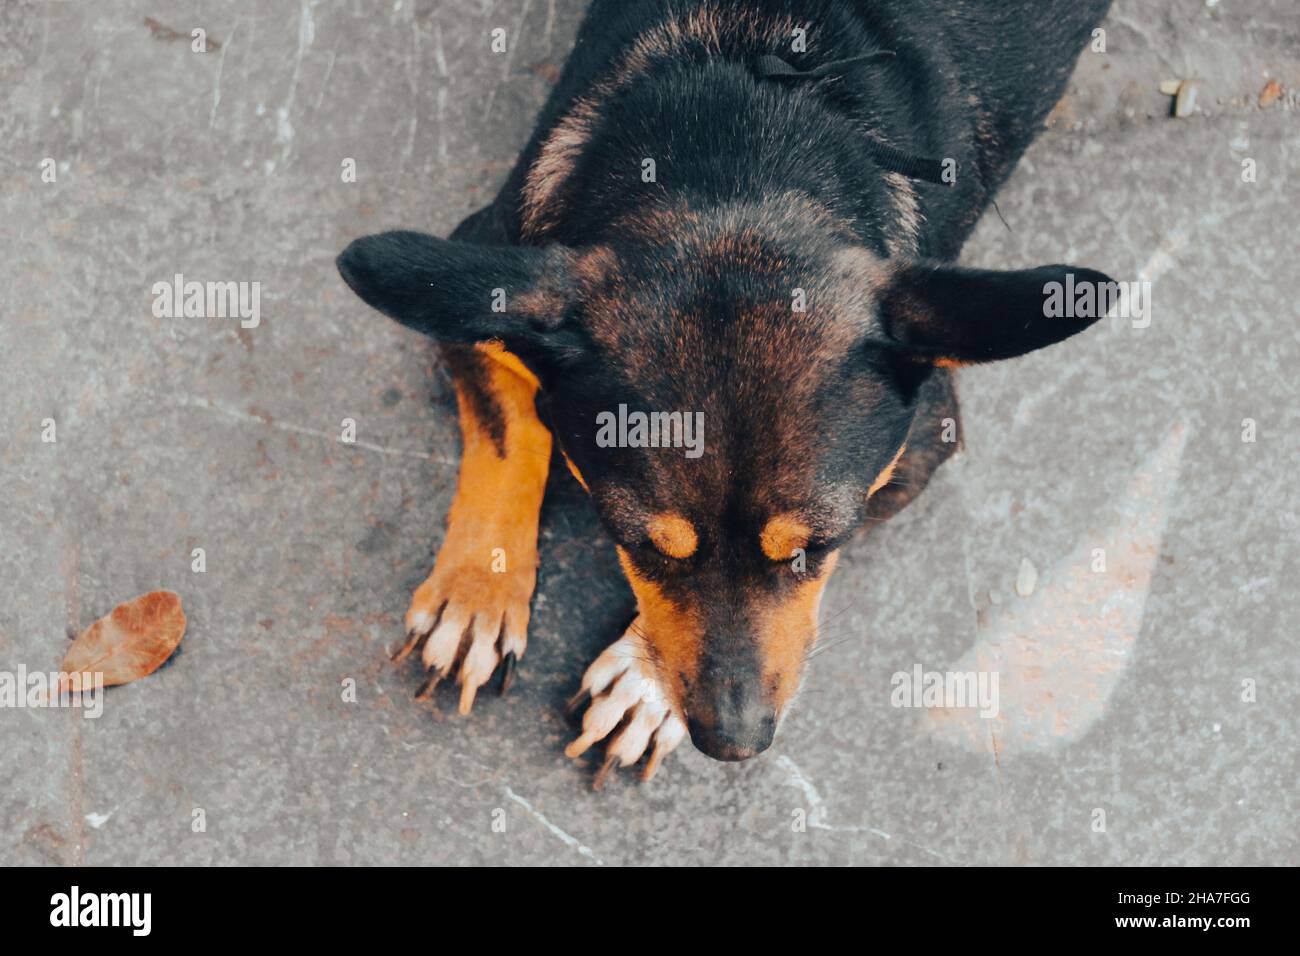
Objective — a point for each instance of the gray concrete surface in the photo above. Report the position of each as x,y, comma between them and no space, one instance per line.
174,434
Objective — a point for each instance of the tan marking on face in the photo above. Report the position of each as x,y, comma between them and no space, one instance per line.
672,535
788,632
674,634
884,477
949,363
782,535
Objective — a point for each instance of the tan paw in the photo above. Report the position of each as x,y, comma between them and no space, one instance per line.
469,619
628,701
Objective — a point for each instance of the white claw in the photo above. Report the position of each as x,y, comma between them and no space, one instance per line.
516,635
480,661
632,740
461,607
671,733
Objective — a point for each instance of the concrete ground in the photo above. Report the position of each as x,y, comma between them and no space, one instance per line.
1148,710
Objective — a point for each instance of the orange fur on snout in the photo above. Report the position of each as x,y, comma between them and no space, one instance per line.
787,633
675,634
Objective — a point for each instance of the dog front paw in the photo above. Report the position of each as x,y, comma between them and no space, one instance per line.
469,619
628,701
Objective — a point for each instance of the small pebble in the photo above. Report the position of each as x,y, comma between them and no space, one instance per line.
1185,101
995,596
1027,579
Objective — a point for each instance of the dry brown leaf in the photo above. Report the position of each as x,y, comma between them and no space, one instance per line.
1062,112
547,71
131,642
1271,93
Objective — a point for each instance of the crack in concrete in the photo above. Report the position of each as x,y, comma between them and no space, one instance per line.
190,401
565,838
817,810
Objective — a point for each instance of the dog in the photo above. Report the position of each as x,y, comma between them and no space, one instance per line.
742,213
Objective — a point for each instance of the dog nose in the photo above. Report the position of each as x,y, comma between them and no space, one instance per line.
728,712
729,742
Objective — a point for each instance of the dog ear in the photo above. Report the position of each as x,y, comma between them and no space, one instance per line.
951,316
464,292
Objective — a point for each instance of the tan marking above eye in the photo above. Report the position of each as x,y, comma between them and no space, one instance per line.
884,477
673,535
782,534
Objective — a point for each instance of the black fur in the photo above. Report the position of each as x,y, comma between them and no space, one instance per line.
676,294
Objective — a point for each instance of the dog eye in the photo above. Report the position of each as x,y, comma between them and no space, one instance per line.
815,551
812,551
655,563
649,549
819,548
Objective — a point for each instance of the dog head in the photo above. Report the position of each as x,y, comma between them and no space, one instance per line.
731,395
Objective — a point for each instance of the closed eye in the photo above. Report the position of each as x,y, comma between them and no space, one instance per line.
647,551
656,565
812,549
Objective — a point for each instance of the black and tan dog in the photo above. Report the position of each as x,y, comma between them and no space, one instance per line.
726,211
